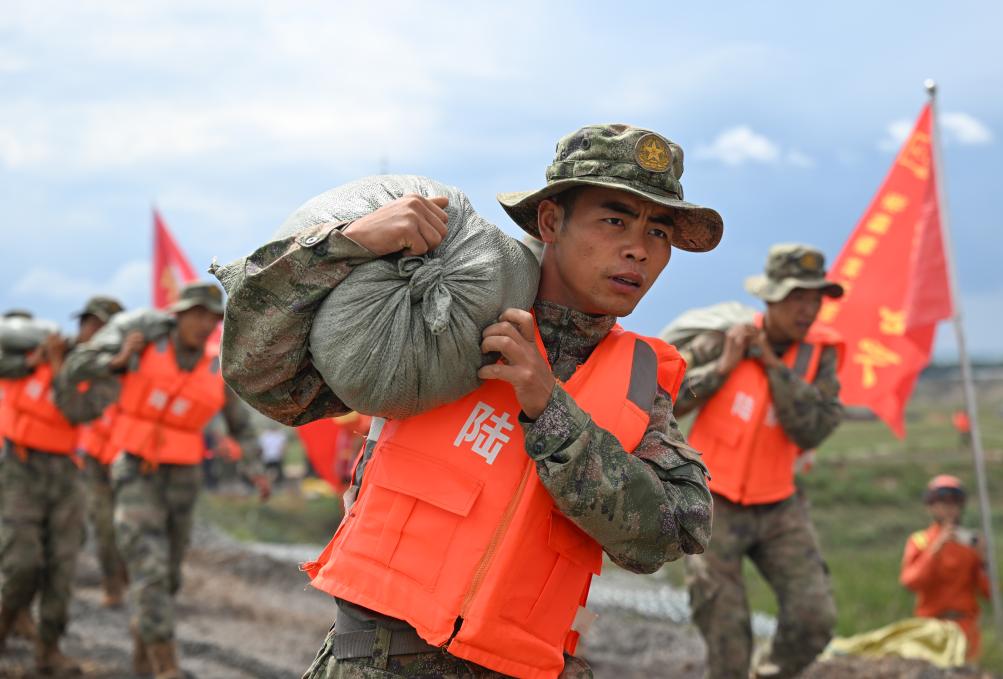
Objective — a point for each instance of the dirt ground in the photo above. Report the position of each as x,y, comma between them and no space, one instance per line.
243,614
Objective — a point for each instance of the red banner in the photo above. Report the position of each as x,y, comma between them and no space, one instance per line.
332,445
894,271
171,269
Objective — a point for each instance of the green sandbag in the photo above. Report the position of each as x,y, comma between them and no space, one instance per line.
716,318
401,334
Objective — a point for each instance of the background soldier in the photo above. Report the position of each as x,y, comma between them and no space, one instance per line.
608,236
94,444
166,400
767,391
42,501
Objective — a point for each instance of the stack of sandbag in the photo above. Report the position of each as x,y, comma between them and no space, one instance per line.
401,334
716,318
19,335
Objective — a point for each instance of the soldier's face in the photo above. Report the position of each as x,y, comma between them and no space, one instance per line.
606,254
89,325
790,318
195,325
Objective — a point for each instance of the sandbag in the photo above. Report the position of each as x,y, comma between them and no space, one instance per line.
20,335
401,334
714,318
81,407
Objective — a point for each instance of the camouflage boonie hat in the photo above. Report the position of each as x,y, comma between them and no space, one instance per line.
790,266
101,308
201,294
629,159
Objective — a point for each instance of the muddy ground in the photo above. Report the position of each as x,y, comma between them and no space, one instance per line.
244,614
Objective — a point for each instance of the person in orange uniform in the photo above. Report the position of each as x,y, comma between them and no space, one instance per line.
43,504
766,391
945,564
169,392
963,426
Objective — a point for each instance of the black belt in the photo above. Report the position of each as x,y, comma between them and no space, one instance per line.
359,644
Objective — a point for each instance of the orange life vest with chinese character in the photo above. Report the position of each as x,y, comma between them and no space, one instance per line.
163,409
749,456
30,419
95,437
452,523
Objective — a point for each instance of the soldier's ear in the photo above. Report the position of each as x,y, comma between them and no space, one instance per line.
549,218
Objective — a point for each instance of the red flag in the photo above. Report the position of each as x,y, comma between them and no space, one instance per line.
171,269
332,444
894,271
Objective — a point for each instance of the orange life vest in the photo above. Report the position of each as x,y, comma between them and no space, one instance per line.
452,521
29,417
95,437
163,409
749,456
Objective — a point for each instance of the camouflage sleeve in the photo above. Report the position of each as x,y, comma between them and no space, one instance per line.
14,366
702,377
83,401
807,412
273,295
644,508
242,429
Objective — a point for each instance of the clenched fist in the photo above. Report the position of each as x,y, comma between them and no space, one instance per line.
412,224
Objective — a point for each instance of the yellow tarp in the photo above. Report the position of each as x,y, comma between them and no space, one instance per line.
939,642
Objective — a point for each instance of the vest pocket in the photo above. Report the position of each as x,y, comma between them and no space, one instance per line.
578,557
407,517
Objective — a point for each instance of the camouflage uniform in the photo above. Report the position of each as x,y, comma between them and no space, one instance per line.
42,529
778,537
644,509
154,508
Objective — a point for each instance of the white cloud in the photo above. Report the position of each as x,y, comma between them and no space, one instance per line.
741,144
965,129
799,158
956,127
129,283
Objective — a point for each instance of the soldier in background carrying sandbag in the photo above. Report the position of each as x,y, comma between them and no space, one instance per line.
165,378
478,524
767,389
43,503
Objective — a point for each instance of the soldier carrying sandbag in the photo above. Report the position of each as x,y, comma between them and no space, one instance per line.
766,387
479,524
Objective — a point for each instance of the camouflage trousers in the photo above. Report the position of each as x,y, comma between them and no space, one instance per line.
41,536
781,542
153,523
101,511
436,664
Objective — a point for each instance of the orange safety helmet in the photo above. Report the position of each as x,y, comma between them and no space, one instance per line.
942,487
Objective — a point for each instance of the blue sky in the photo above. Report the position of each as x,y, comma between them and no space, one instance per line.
228,115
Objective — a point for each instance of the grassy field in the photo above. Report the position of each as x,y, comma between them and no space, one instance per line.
865,491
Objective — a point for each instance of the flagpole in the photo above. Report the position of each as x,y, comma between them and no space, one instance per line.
967,380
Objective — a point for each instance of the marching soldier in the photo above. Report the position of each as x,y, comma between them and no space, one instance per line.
766,391
168,395
478,525
43,505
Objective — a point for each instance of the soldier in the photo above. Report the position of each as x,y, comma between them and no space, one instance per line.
766,391
945,564
43,504
94,444
167,397
470,555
